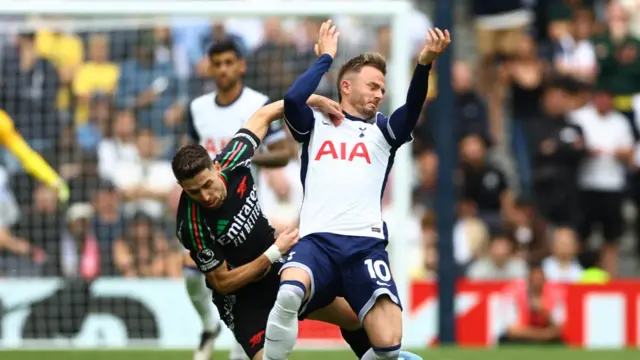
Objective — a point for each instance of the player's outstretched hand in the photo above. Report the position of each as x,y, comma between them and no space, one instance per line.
327,40
327,106
287,239
437,43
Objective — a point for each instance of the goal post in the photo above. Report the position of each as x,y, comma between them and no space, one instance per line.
396,14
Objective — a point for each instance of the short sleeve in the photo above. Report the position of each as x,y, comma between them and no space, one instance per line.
239,151
196,236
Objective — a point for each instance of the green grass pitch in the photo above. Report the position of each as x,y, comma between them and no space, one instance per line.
528,353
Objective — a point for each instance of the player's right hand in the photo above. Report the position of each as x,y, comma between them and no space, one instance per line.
287,239
327,40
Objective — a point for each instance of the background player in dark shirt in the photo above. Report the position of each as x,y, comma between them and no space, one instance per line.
221,224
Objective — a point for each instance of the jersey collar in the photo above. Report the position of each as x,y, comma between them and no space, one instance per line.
215,99
355,118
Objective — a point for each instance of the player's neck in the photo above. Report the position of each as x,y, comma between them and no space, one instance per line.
226,98
350,110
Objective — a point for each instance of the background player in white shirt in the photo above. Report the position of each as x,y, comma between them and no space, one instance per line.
344,168
212,120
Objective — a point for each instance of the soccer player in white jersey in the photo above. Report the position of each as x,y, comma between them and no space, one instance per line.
345,168
213,119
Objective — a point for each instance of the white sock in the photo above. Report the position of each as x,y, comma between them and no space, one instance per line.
201,299
237,352
282,325
382,353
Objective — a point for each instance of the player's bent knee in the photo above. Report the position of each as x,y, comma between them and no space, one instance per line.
383,323
296,274
291,295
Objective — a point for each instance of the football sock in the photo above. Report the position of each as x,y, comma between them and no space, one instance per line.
282,324
201,299
358,341
386,353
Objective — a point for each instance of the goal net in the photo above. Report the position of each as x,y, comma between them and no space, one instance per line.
73,75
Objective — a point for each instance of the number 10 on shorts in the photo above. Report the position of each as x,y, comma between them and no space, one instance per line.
378,269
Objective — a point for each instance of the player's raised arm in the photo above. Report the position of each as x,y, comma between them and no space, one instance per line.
33,163
259,122
297,114
404,119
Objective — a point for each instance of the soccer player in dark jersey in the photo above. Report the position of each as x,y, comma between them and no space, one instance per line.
220,222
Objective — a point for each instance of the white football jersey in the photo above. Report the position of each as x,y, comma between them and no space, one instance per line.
344,171
213,125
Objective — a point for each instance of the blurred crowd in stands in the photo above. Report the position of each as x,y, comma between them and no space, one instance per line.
546,116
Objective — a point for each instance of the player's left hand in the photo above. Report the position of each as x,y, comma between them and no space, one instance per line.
437,43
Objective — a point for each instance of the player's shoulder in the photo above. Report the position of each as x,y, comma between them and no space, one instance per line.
207,100
249,94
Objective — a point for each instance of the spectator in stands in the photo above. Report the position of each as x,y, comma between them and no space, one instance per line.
152,91
16,253
90,134
145,183
575,55
108,220
618,56
470,241
270,68
602,177
633,16
562,265
42,225
529,310
523,77
166,52
500,264
73,163
427,254
65,51
427,164
119,146
498,27
28,93
529,229
471,110
218,33
559,148
483,189
144,251
78,254
97,75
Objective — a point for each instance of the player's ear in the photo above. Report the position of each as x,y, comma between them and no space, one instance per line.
217,167
243,66
345,87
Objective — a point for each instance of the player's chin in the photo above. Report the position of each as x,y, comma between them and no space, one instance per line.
370,110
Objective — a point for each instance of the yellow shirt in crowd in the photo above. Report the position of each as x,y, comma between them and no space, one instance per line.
66,52
32,162
91,78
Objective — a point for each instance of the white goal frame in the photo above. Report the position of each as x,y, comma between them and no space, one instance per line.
398,74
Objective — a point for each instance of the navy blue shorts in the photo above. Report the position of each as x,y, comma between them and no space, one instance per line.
354,267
